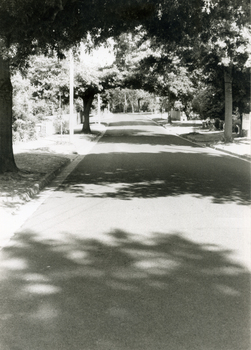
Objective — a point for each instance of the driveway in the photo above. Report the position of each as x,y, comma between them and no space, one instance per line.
145,245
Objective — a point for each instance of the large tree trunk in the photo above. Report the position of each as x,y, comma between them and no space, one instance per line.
87,107
7,162
228,104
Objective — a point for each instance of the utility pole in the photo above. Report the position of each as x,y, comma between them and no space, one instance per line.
60,115
99,108
71,129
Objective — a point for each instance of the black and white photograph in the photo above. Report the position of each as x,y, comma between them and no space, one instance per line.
125,207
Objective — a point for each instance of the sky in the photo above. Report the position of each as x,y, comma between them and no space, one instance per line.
101,56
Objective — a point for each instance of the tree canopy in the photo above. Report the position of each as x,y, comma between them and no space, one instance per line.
223,50
197,30
212,38
31,26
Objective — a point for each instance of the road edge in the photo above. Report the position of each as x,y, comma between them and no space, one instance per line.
51,180
239,156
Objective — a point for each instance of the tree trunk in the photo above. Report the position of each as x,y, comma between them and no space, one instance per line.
87,107
7,162
139,104
81,117
228,104
132,106
125,105
169,108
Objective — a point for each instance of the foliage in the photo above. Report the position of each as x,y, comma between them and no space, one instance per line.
139,64
23,119
156,70
61,125
48,76
208,102
128,100
29,26
24,130
87,79
212,32
226,40
223,49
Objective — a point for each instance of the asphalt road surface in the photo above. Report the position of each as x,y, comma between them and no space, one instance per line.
144,246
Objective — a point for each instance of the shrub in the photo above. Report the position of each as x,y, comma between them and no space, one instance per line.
24,130
218,123
59,123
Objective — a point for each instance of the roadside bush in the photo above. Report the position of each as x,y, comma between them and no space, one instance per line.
236,126
61,125
218,123
24,130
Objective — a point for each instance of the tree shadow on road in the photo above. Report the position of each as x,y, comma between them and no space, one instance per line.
164,292
145,137
150,175
141,122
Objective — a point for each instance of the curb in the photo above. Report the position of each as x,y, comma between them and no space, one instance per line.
16,219
37,187
247,158
48,178
202,145
243,157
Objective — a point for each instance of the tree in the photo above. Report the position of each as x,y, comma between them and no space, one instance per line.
24,26
123,99
6,156
156,70
49,79
168,76
27,26
87,85
223,47
31,26
208,101
23,109
217,31
209,98
93,77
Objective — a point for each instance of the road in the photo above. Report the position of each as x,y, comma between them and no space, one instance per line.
144,246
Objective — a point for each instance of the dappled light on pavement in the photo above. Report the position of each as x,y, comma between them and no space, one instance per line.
143,246
145,175
129,293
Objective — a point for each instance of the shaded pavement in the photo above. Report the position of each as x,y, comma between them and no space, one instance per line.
145,245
